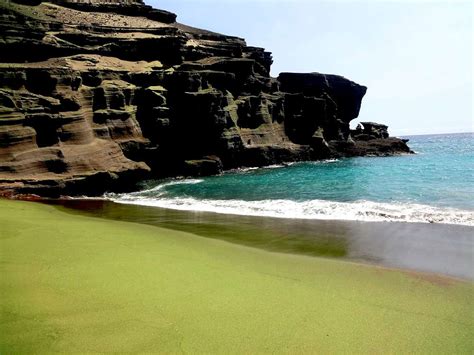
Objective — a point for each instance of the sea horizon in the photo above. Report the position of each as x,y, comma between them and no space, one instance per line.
432,134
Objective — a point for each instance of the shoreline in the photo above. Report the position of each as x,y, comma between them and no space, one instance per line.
372,214
439,249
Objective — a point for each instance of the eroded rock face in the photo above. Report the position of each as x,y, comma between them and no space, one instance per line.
96,98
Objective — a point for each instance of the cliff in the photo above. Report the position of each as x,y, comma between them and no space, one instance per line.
96,97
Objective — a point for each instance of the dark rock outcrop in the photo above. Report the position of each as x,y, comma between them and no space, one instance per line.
97,97
370,130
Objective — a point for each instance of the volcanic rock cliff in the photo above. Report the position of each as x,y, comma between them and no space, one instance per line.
96,97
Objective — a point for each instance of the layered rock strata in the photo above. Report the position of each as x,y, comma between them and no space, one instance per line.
97,97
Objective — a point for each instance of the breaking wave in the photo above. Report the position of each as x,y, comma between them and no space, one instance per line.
361,210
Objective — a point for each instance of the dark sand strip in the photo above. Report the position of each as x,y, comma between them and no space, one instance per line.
435,248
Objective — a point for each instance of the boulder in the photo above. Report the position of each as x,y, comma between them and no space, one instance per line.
207,166
371,130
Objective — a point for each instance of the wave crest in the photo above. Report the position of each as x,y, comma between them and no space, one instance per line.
367,211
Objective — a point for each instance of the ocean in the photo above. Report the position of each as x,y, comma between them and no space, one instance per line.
435,185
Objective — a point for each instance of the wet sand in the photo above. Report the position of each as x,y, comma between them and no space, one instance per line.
434,248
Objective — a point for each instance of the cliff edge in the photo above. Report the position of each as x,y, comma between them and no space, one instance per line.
98,95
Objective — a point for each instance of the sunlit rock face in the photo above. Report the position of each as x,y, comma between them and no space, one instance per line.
98,95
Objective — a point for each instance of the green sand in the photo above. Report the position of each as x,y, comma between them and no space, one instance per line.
77,284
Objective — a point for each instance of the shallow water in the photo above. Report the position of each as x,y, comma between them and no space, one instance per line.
434,186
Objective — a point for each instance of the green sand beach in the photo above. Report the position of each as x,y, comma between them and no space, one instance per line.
74,283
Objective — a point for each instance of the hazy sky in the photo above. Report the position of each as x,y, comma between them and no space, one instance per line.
415,57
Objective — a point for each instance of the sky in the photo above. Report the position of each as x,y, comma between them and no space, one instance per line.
415,57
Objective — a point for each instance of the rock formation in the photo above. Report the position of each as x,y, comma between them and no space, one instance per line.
98,95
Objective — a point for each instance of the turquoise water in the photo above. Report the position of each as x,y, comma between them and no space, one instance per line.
434,185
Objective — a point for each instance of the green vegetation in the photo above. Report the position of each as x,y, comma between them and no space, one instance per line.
79,284
25,10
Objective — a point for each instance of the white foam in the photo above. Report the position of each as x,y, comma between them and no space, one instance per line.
253,168
244,170
284,165
326,161
275,166
313,209
155,190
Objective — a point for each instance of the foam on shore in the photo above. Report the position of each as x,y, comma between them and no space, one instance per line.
367,211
